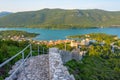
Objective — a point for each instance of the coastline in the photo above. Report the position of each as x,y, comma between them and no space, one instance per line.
61,34
88,27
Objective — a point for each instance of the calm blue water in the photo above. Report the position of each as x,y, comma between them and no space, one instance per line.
49,34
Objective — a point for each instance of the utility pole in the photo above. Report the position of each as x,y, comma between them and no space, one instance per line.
65,46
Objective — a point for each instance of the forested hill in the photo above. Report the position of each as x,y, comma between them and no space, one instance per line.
60,18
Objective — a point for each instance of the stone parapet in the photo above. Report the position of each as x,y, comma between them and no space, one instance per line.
57,70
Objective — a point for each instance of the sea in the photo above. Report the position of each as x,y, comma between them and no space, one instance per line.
61,34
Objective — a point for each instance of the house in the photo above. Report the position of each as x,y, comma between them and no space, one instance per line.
74,43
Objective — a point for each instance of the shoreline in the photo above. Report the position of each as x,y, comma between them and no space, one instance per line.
65,28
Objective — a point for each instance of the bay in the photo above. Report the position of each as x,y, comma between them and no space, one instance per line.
50,34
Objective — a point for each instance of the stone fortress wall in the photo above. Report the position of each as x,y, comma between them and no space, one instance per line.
57,70
57,59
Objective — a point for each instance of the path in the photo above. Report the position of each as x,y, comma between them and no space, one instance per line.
36,68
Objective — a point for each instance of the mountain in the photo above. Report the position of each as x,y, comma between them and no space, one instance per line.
2,14
60,18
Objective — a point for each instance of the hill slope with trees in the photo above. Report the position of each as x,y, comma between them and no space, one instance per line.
60,18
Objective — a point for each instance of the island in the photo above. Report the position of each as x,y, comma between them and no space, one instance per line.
16,35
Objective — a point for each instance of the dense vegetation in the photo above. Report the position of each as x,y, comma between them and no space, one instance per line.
117,43
60,18
100,63
11,33
98,37
95,68
9,48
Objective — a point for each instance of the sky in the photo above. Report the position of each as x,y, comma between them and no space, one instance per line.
33,5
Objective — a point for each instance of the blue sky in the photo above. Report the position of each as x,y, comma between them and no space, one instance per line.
31,5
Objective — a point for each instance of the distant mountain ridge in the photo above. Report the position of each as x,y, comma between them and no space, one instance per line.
4,13
61,18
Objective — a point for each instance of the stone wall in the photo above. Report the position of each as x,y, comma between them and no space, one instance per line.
74,54
65,56
77,54
57,70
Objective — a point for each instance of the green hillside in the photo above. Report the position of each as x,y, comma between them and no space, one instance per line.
60,18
